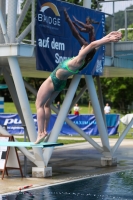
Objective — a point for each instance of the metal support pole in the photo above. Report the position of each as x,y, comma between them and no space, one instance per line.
3,28
122,137
101,98
24,33
125,25
25,158
99,118
113,12
30,88
82,133
98,6
16,73
12,90
78,96
3,11
33,22
11,20
112,53
87,3
112,43
61,116
22,15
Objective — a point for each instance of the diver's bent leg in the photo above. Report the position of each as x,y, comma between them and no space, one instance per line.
48,110
44,93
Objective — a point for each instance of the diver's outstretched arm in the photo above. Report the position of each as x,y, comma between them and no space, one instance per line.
114,36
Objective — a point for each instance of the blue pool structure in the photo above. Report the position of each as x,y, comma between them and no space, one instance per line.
112,186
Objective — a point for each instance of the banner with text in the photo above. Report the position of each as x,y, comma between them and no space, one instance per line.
87,123
61,29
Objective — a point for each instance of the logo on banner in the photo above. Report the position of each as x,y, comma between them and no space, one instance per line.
45,6
51,19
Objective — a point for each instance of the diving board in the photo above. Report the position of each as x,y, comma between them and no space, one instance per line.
29,144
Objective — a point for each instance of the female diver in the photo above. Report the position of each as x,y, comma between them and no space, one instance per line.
56,82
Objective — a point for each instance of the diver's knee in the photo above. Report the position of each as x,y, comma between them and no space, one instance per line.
39,105
47,105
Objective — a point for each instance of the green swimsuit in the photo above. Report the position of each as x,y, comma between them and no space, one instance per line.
58,83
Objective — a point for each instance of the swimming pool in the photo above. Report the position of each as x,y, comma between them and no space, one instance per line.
117,185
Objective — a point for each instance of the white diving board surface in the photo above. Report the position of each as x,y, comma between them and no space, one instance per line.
29,144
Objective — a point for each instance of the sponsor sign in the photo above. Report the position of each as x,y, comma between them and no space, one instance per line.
61,29
87,123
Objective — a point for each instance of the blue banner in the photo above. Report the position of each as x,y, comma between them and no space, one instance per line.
61,29
87,123
13,124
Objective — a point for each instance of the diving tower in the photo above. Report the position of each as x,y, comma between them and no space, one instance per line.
17,60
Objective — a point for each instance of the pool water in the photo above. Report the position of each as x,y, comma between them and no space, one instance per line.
113,186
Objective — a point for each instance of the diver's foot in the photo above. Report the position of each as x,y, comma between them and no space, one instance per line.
40,137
